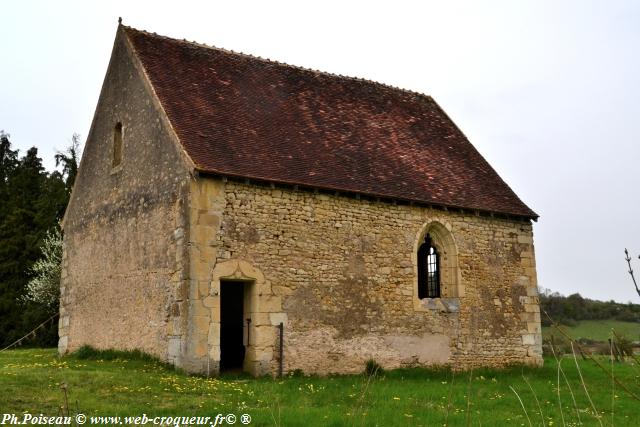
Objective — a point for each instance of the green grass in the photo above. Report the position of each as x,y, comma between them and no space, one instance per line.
599,330
130,384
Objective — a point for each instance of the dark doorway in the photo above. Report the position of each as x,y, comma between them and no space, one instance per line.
231,325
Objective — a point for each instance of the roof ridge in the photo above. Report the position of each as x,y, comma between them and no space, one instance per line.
284,64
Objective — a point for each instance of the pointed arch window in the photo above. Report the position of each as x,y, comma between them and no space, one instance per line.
428,270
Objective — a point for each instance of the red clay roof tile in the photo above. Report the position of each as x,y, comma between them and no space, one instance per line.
239,115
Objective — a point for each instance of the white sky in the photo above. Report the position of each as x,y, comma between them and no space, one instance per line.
547,91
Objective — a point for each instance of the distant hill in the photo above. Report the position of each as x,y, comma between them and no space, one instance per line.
574,309
596,330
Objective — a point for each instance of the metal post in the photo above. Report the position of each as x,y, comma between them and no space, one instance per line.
281,327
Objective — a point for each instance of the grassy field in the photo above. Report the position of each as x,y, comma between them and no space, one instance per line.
599,330
30,381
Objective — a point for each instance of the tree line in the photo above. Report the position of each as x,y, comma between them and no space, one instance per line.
571,309
32,204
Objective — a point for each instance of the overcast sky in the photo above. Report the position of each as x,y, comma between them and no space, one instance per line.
547,91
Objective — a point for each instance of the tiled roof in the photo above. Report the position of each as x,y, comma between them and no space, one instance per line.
243,116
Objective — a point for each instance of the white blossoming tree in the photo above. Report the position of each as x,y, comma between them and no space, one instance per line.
44,286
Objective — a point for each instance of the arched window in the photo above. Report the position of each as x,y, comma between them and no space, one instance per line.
428,270
117,144
435,261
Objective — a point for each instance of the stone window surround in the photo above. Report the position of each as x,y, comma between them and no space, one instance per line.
450,284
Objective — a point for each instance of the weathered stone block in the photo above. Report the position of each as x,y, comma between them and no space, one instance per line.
451,305
260,319
174,347
531,308
201,324
211,301
277,318
197,309
209,219
63,344
201,349
214,352
213,336
263,336
269,304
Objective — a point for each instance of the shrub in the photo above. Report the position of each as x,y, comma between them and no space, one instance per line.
373,368
625,346
296,373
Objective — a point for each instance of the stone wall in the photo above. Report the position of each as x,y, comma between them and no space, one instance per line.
123,279
340,273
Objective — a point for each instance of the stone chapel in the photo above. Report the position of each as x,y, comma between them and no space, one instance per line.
237,213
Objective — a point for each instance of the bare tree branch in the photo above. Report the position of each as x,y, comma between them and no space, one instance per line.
628,258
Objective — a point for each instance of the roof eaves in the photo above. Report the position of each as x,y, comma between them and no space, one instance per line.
344,190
